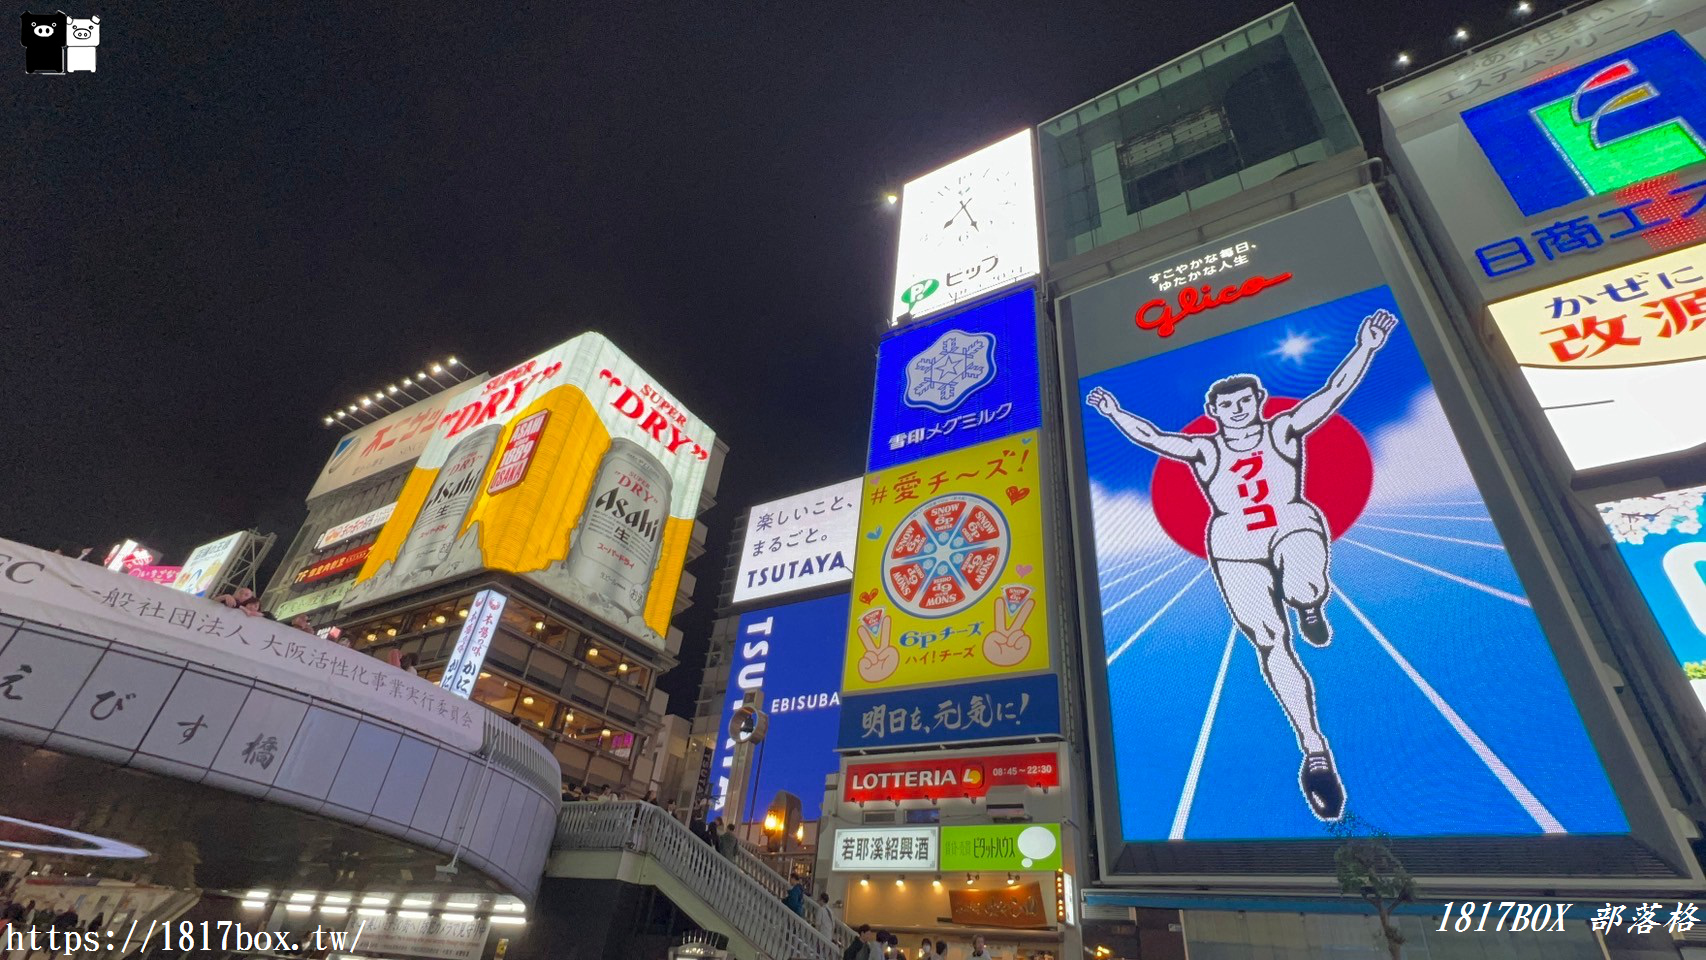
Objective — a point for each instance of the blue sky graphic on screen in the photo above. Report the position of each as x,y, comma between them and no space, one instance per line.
1663,542
794,653
1411,684
956,382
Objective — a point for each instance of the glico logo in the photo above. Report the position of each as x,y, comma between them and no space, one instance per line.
1163,317
1626,117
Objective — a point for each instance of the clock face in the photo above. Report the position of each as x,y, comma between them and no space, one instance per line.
967,228
971,206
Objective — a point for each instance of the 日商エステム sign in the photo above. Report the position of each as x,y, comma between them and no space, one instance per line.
1628,116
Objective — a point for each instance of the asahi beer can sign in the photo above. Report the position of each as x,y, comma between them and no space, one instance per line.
615,549
439,522
601,515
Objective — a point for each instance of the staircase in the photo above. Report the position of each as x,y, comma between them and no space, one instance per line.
741,899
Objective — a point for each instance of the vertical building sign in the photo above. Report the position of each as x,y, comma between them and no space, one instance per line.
1662,539
473,643
951,578
1290,550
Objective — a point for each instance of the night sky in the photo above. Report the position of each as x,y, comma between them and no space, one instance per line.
253,213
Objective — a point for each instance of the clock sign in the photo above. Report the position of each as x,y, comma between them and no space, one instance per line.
966,229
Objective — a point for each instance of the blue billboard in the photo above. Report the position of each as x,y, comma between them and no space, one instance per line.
961,713
1306,607
956,382
1662,539
1626,117
793,654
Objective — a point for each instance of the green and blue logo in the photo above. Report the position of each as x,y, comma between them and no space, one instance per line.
1630,116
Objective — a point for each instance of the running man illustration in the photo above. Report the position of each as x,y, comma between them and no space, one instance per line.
1268,545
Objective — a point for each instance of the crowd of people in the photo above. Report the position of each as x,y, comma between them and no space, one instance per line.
883,945
27,915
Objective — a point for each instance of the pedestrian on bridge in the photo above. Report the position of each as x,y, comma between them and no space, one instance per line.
727,843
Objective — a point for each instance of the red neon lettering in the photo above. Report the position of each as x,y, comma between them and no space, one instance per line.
1159,316
654,424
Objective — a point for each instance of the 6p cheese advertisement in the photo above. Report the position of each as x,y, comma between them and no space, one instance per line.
949,577
574,468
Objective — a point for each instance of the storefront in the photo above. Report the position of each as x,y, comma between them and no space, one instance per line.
1002,882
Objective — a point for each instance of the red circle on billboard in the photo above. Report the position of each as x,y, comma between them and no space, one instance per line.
1338,474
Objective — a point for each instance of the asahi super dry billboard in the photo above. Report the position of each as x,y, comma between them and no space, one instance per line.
574,468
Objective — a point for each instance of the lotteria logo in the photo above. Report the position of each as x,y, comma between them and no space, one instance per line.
1627,117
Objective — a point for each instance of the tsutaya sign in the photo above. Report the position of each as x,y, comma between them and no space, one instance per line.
799,542
594,501
959,776
966,229
1609,355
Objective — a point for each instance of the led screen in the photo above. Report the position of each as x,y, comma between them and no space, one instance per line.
1662,541
1609,355
1334,626
1628,116
966,229
965,379
790,653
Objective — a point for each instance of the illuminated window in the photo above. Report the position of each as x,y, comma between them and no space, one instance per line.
495,692
534,707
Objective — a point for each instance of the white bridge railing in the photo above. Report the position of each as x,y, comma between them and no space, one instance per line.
751,907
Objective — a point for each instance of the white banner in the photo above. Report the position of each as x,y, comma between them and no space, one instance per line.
59,591
799,542
884,848
435,937
201,572
382,444
473,643
1610,355
350,529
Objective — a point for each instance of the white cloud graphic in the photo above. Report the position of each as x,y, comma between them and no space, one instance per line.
1125,526
1417,460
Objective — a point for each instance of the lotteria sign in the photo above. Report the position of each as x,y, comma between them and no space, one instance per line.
966,777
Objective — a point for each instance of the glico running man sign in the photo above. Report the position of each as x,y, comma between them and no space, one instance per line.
574,468
1293,564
